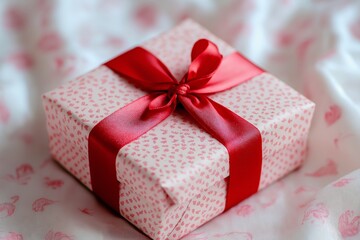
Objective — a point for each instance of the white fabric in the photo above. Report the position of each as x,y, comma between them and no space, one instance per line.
312,45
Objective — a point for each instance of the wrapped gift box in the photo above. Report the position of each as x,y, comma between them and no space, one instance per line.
172,179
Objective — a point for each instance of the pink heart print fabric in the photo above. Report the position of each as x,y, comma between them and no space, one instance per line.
311,45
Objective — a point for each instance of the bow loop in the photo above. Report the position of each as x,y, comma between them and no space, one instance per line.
205,60
143,69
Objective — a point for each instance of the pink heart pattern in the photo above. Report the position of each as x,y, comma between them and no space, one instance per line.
328,169
22,174
38,49
332,115
349,224
4,113
12,236
52,235
317,212
7,209
40,204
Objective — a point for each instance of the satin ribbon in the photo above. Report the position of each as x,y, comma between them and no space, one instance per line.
208,73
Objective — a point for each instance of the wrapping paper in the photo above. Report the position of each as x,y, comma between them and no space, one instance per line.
172,178
312,45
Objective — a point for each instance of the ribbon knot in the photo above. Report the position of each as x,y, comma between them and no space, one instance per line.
164,101
182,89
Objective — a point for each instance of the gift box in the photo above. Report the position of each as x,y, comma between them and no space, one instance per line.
170,177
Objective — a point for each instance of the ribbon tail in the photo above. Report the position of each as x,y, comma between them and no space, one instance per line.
241,139
110,135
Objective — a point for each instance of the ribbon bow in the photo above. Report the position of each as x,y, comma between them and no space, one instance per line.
208,73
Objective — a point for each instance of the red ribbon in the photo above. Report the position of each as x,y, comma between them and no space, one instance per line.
208,73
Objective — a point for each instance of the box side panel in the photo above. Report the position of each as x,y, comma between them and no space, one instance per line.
178,219
201,209
150,217
68,139
280,161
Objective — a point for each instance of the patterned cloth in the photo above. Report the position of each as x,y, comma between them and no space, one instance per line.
313,46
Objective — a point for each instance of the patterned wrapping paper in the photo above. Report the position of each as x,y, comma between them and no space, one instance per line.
172,177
